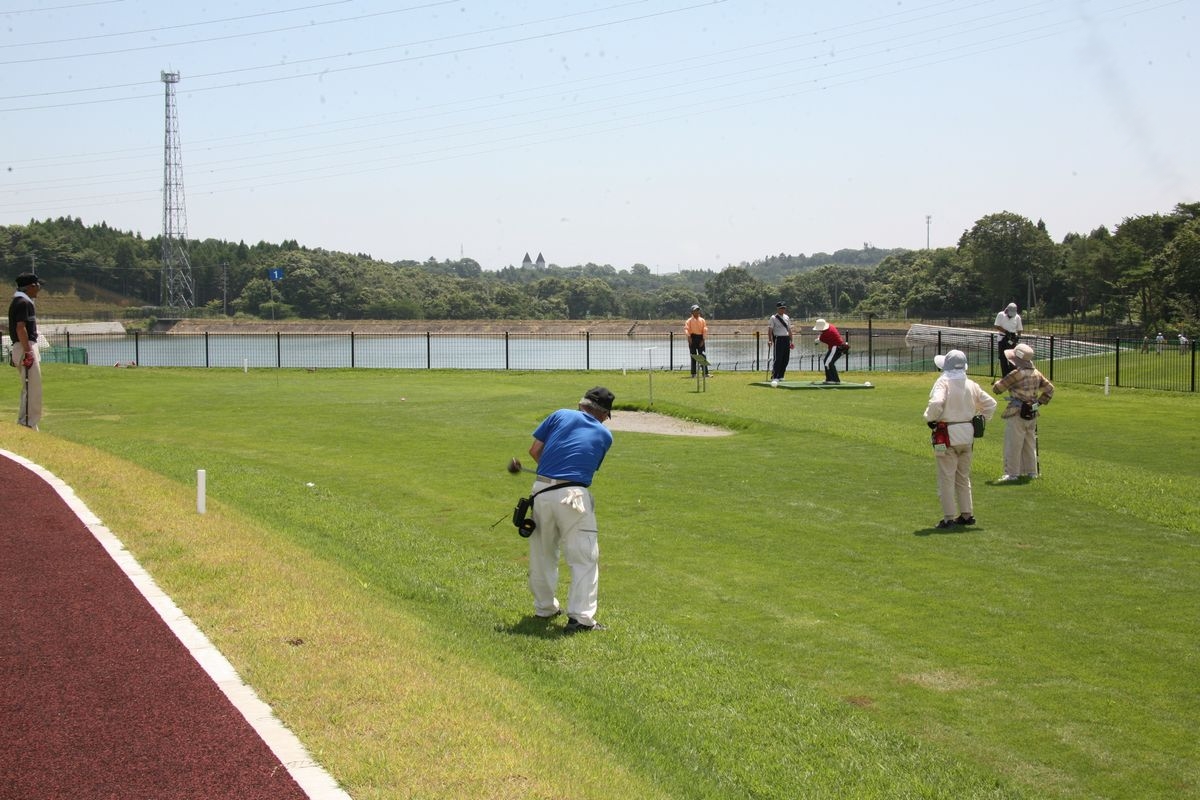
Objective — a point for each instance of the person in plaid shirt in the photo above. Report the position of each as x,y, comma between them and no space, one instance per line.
1028,389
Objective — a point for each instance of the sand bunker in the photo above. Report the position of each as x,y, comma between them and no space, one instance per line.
649,422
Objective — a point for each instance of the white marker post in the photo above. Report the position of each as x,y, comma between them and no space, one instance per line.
201,489
1106,386
650,370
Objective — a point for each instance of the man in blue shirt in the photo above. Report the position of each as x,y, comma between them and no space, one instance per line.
569,447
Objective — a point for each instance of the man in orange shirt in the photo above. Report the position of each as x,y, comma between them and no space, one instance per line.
696,329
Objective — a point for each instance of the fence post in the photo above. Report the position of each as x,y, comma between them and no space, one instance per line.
428,350
206,364
278,349
587,350
870,343
1051,376
351,349
1193,365
671,351
1117,365
137,353
757,350
506,350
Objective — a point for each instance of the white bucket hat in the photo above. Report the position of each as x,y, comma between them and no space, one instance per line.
955,359
1022,353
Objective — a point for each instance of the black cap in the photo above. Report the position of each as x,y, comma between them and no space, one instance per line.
27,279
781,304
601,397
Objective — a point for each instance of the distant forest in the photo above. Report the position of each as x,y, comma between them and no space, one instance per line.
1146,271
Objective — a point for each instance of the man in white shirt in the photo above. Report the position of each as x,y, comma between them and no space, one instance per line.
779,338
1008,323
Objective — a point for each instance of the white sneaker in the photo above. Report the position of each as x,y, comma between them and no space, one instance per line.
1032,476
1006,479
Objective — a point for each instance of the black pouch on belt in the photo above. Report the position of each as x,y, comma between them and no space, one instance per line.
524,524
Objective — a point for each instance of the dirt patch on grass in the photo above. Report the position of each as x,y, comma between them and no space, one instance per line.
941,680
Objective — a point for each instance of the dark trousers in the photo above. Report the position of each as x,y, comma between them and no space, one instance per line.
1005,365
696,347
830,364
783,354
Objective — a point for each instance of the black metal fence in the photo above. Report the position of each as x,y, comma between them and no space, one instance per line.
1128,362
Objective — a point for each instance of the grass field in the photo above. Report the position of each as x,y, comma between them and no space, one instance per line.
784,620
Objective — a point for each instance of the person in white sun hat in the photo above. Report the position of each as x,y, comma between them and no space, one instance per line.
835,348
1028,389
953,401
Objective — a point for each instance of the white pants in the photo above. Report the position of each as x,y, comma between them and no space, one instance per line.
1020,446
954,480
560,525
29,413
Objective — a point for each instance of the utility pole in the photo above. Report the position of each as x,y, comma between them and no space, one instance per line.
177,288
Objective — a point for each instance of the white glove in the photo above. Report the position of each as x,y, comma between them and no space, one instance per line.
574,499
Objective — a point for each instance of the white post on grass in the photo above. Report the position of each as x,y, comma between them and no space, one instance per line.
1106,386
201,489
245,365
650,370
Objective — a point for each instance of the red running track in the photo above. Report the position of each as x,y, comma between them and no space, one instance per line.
99,698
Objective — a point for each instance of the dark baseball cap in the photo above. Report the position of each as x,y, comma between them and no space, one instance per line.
601,397
28,279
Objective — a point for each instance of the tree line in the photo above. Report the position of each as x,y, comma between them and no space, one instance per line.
1147,271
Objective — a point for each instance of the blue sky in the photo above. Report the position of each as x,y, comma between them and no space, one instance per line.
672,133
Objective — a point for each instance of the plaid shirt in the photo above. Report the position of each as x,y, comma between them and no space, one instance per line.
1023,386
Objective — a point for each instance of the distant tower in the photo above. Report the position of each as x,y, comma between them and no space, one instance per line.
177,289
541,262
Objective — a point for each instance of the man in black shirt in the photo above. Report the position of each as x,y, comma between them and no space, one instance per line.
22,330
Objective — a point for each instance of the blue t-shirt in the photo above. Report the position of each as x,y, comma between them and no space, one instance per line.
574,445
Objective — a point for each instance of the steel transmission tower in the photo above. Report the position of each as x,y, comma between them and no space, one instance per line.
177,289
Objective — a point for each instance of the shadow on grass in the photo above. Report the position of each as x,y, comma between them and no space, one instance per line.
533,625
956,529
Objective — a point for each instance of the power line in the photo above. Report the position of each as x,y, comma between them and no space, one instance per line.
759,93
165,27
211,39
318,59
63,8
